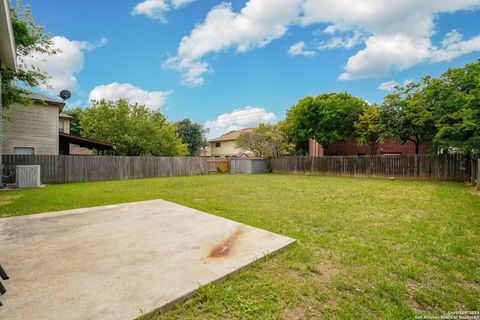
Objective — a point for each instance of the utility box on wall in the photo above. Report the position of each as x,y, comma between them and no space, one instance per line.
28,176
248,165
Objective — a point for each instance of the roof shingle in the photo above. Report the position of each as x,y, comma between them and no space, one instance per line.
234,135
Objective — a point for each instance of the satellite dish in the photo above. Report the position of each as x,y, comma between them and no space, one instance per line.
65,94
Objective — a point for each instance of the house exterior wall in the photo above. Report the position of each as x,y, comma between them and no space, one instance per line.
73,149
226,149
66,124
35,126
351,148
315,149
79,151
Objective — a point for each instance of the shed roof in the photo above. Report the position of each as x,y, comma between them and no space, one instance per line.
85,142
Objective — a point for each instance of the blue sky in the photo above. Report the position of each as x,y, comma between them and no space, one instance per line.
245,62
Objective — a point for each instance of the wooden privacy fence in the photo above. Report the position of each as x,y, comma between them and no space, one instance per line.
443,167
64,169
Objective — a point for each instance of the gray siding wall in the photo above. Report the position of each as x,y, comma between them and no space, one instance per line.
35,126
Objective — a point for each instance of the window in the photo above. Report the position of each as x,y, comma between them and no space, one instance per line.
24,151
361,154
61,126
218,145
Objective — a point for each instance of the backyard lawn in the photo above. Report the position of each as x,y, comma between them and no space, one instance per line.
366,248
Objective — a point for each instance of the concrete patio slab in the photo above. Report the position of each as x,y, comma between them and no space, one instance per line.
112,262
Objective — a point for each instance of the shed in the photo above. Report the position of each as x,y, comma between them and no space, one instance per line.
248,165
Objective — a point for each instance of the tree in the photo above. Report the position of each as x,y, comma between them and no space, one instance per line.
327,118
406,116
265,141
136,130
455,100
368,128
29,38
76,114
193,135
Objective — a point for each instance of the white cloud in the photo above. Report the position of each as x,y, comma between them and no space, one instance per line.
397,34
192,71
454,46
256,25
384,54
347,42
410,17
390,85
63,66
115,91
298,49
156,9
180,3
247,117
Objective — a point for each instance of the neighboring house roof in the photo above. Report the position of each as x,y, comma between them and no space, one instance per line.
231,136
8,56
86,143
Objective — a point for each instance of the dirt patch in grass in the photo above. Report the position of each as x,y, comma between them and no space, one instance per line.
418,307
294,314
412,286
475,192
7,199
325,272
473,285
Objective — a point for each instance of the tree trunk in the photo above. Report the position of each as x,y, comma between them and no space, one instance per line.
417,147
374,148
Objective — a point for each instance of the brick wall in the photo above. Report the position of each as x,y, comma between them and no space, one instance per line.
351,148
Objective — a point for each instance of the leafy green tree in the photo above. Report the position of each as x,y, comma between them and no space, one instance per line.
368,129
327,118
406,116
29,38
455,100
136,130
266,140
193,135
76,114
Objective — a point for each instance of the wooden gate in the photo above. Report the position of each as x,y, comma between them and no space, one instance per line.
218,165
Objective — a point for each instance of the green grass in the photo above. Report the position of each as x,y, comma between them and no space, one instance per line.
366,248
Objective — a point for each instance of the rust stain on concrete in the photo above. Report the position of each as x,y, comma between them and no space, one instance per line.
224,248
